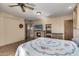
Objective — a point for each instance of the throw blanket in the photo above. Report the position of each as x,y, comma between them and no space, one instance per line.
47,47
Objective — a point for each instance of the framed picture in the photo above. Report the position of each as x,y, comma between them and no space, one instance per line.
38,27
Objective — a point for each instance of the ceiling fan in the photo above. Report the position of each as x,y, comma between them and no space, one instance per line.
24,5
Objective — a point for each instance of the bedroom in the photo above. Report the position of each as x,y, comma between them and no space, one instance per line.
18,26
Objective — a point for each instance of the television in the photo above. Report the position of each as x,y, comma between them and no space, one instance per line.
38,27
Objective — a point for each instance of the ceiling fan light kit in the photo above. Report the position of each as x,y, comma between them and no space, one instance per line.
38,13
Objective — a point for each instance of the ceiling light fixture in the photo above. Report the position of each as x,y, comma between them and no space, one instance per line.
38,13
69,7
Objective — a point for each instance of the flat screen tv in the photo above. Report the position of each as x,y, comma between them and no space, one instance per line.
38,27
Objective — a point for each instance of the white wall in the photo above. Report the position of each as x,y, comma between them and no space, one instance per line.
9,29
76,33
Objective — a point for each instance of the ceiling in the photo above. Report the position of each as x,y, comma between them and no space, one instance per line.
46,9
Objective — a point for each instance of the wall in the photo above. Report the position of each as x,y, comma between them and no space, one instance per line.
9,29
76,20
57,23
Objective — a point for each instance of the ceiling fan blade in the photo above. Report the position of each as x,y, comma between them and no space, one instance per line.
22,8
13,5
29,7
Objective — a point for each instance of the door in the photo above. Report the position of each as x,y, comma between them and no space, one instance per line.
68,29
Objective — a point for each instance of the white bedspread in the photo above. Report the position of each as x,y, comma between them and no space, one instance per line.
48,47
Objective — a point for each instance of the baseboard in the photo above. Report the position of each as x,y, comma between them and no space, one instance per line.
22,41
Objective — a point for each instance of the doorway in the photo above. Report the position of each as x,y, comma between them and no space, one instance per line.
68,29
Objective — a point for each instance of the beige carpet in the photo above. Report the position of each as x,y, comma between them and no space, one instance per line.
9,50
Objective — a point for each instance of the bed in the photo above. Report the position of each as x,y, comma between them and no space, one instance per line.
47,47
